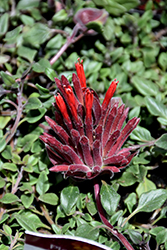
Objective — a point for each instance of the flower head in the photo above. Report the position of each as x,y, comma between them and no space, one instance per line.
89,135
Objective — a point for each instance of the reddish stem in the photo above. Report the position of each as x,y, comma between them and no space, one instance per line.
120,236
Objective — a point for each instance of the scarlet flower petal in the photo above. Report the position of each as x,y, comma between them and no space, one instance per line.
77,87
81,73
88,119
71,102
62,107
109,94
88,104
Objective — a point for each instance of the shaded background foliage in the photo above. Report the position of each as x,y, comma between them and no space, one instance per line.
131,48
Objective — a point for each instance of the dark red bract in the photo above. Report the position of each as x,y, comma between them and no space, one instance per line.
88,135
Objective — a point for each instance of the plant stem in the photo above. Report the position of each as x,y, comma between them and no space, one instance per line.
20,175
60,52
70,40
115,232
19,114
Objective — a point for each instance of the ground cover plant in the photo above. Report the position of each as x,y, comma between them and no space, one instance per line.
41,41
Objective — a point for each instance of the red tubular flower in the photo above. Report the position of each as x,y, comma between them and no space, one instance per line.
88,135
81,73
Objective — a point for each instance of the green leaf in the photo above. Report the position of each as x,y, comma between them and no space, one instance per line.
56,229
27,20
116,216
162,142
90,205
41,66
27,53
87,231
145,18
162,120
49,198
141,134
95,25
51,74
3,247
9,198
127,179
145,87
156,107
4,218
7,230
111,6
26,5
26,187
161,237
134,173
13,35
151,200
4,59
8,80
162,60
145,186
42,185
37,35
130,4
109,198
130,201
2,144
27,141
60,16
35,115
7,153
135,236
27,199
29,221
134,112
10,166
42,90
68,198
33,103
37,146
2,182
4,19
160,233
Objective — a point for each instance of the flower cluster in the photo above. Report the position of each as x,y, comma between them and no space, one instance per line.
88,136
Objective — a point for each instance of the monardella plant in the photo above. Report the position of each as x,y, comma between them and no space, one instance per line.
88,136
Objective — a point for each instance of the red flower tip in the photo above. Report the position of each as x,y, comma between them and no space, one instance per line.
109,94
81,73
62,106
71,102
88,103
